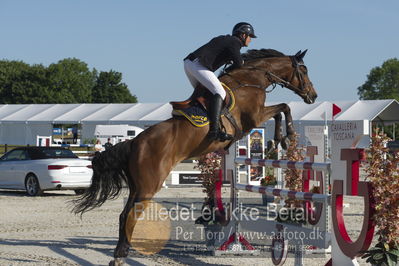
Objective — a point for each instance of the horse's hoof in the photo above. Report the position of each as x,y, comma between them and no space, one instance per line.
285,143
117,262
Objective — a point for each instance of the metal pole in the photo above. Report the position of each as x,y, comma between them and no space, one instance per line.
280,180
325,143
298,254
236,180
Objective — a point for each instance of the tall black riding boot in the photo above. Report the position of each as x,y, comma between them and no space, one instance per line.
215,109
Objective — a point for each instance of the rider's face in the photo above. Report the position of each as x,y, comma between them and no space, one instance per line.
247,40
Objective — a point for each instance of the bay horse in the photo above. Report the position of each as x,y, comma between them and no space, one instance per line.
144,162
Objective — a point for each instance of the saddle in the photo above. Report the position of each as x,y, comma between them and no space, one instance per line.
194,109
202,96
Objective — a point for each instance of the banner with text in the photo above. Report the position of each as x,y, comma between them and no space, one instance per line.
256,140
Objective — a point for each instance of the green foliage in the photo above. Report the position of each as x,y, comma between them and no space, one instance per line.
110,89
268,180
382,255
382,82
71,81
67,81
21,83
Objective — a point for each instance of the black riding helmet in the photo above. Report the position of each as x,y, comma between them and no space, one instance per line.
244,27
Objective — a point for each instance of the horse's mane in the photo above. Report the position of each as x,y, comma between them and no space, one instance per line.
253,54
261,53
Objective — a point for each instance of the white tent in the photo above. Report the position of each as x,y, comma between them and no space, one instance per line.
383,112
21,123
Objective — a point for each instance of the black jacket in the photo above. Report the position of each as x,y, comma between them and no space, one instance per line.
219,51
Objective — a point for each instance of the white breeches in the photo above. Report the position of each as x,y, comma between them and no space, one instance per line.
197,73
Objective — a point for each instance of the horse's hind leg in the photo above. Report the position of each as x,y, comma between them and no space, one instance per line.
149,166
122,248
128,220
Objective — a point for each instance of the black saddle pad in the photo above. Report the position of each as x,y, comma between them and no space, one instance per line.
196,114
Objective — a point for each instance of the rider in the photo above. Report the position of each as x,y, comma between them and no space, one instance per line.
201,64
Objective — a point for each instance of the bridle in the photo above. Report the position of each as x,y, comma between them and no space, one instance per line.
274,79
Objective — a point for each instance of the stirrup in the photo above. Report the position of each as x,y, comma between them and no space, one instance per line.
219,135
223,136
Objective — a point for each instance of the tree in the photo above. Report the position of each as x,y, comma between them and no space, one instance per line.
71,81
109,88
22,83
382,82
67,81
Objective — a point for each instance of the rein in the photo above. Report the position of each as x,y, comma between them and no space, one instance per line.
273,78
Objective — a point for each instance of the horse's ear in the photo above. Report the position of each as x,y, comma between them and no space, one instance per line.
303,54
298,54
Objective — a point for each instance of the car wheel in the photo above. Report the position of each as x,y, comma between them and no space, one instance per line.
32,186
80,191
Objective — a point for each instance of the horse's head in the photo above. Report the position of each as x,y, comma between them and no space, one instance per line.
268,66
299,81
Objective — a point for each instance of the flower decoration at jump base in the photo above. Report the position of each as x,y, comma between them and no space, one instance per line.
383,173
209,165
268,180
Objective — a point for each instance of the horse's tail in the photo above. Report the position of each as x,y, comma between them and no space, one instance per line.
110,173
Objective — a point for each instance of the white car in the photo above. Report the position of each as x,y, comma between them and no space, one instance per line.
37,169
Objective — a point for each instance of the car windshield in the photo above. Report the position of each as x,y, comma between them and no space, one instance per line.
51,153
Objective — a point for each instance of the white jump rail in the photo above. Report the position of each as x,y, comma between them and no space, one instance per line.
270,191
285,164
324,199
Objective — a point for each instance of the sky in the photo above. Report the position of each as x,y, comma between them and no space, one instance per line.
147,40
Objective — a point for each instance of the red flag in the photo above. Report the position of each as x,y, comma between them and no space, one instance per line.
336,110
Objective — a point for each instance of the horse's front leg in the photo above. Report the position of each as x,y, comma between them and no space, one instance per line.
275,112
288,122
273,144
289,127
